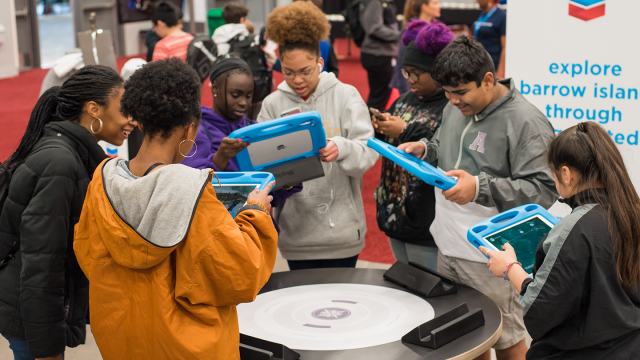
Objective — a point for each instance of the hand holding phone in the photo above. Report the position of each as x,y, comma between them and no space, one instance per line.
377,114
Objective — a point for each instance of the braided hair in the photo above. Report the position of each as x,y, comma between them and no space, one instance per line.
94,83
225,76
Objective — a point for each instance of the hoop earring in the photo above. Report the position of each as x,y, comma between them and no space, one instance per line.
91,126
194,144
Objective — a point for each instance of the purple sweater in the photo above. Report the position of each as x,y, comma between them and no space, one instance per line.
218,128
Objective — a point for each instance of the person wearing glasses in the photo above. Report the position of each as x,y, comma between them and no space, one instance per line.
324,224
406,204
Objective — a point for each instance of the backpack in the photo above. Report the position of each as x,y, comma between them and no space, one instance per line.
201,54
249,50
352,22
5,180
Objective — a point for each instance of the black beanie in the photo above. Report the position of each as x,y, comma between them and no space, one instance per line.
417,59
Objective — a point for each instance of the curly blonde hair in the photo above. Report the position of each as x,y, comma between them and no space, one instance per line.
299,25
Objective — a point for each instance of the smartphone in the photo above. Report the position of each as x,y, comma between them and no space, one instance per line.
291,111
377,114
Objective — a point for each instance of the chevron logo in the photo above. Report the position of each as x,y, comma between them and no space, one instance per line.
586,9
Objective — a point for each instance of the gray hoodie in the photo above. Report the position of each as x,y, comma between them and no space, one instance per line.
378,19
503,147
326,219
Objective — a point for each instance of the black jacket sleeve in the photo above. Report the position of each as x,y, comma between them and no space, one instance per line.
44,232
416,131
150,41
556,293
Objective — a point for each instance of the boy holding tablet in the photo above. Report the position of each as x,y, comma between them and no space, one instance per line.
492,140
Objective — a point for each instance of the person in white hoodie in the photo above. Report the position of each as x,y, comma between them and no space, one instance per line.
323,225
234,16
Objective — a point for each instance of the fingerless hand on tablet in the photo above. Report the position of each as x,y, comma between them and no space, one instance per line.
263,196
228,149
330,152
414,148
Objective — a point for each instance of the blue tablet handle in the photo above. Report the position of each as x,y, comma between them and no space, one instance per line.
244,178
479,231
422,169
309,121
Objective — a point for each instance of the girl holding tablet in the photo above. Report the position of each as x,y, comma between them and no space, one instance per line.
232,87
165,260
324,224
406,205
584,299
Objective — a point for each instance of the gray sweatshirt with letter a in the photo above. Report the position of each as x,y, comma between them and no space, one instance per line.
326,219
503,147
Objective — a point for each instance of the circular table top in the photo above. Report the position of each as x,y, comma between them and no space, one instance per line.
468,346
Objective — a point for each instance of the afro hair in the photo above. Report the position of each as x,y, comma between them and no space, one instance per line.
429,38
300,22
161,96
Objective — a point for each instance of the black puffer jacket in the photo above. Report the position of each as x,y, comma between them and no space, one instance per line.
44,296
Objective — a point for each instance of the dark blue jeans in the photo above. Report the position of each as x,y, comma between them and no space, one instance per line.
19,348
322,264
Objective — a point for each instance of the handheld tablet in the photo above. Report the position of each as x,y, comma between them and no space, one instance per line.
233,188
288,147
523,227
425,171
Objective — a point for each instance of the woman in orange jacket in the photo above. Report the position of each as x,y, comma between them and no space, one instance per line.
166,262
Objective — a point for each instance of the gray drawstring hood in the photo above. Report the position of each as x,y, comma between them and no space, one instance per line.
326,219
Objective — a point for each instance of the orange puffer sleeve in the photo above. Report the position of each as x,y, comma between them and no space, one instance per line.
224,261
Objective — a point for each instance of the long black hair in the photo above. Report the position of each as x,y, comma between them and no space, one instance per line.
91,83
588,149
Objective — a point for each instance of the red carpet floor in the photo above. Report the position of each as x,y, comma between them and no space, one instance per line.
18,96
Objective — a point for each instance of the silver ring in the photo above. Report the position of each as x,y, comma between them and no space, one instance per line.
488,252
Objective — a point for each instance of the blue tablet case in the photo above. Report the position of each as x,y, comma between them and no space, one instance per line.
287,147
261,179
425,171
479,231
244,178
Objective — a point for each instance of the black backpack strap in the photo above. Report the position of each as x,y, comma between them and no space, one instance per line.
150,169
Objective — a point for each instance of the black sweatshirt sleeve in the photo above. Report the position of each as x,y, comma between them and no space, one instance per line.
416,131
556,293
44,232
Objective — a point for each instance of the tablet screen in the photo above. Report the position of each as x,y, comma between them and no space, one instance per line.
524,236
233,196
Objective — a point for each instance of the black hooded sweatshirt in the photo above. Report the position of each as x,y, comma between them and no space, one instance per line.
575,308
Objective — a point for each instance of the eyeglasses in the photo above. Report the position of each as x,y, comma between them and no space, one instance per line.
414,76
303,74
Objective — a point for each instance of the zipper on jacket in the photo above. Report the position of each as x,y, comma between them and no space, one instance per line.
464,132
